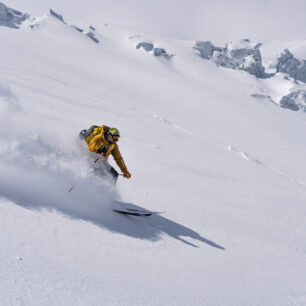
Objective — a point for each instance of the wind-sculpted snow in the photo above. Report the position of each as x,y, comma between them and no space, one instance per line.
10,17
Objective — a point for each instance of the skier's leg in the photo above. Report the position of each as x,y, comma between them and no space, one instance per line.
114,174
104,170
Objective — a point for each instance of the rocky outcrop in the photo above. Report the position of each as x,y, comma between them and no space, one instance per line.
147,46
90,32
11,18
223,60
295,100
161,52
206,49
58,16
287,63
92,35
241,55
253,64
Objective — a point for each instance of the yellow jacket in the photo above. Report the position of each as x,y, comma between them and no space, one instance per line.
99,141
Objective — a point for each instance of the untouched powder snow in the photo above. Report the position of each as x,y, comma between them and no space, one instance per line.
227,168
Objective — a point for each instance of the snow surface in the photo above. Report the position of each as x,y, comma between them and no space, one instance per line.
205,144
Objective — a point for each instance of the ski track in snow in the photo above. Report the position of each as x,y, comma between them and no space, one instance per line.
166,121
247,157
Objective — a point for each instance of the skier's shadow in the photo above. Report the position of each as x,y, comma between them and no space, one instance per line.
153,227
72,205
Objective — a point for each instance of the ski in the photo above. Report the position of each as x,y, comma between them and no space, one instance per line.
136,212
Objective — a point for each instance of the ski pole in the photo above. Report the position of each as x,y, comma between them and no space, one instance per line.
97,158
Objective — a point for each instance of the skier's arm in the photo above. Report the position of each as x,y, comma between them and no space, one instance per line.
120,162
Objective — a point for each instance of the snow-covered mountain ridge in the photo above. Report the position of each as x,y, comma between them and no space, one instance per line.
207,144
243,55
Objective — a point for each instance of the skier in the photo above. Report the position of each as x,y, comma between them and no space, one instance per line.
103,140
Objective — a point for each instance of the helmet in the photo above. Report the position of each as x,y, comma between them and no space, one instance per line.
114,133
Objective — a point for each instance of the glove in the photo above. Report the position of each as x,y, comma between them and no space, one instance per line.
127,174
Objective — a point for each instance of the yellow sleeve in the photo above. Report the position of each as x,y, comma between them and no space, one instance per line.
119,160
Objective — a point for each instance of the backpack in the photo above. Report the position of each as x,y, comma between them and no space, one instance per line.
90,133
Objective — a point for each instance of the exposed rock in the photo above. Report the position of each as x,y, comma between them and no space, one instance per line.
289,102
161,52
89,33
287,63
11,18
145,45
247,57
149,46
92,36
4,13
253,64
58,16
295,100
257,46
241,55
78,29
206,49
223,60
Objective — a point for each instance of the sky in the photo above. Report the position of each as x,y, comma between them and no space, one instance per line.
218,20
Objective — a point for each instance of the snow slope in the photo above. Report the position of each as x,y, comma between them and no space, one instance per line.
227,168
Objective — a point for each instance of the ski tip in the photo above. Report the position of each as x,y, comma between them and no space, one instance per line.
137,213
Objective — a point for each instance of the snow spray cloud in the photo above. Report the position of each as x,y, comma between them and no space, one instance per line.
35,173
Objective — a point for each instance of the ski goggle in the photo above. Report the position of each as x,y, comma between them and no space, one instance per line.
114,133
115,137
